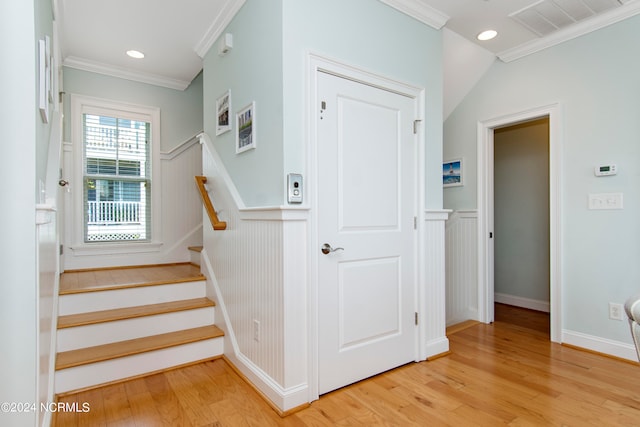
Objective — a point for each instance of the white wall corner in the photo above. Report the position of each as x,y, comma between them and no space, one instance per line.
295,316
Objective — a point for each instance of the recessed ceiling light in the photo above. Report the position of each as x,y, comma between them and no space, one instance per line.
135,54
487,35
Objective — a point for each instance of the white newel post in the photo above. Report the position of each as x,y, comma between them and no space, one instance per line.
433,311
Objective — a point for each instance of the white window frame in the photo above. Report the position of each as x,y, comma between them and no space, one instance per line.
89,105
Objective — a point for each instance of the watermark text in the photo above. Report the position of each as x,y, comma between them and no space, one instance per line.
24,407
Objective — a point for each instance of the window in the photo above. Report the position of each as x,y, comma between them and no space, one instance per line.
116,180
115,157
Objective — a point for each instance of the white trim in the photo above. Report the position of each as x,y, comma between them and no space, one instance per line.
437,214
579,29
180,148
531,304
420,11
124,73
80,103
275,213
43,213
219,24
115,248
600,345
316,63
485,211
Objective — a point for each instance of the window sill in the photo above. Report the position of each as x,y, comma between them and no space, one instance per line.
90,249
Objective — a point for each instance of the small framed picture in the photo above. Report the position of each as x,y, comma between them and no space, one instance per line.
452,173
246,128
223,113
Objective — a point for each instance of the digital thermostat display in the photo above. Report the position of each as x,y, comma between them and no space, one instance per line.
605,170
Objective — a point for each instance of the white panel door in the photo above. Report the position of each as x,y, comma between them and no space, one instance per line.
366,204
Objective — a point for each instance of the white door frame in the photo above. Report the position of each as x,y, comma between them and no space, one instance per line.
485,211
317,63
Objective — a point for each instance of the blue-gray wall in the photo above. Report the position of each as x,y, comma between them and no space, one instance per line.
253,72
595,80
180,111
268,65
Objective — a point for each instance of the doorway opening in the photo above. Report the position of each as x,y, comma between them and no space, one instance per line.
487,132
521,223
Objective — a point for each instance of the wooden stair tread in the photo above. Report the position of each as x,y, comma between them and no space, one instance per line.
95,317
84,356
79,281
195,248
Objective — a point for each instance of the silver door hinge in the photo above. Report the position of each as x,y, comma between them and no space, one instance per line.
415,222
416,317
415,126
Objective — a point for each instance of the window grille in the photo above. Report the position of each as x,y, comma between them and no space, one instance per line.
116,179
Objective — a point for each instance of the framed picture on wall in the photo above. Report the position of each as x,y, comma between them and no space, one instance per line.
223,113
246,128
452,173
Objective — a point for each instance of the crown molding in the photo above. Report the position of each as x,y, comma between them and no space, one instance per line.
579,29
229,10
420,11
123,73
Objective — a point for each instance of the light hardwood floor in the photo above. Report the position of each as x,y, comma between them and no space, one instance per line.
507,373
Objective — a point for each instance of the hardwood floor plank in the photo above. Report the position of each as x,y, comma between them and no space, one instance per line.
500,374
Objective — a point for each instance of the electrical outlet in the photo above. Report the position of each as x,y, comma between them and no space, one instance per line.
616,311
256,330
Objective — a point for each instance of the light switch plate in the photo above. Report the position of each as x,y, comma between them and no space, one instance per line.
605,201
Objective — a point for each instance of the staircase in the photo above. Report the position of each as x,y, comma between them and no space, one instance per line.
123,323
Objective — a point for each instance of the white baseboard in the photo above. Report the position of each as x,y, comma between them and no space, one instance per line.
437,347
529,303
600,345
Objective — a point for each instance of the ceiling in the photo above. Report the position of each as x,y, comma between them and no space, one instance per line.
174,35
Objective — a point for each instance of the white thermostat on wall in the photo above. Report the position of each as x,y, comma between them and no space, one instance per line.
606,170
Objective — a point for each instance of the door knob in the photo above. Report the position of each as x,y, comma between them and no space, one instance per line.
63,182
327,249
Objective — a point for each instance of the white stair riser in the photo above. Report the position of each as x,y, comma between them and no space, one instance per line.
130,297
128,329
195,257
131,366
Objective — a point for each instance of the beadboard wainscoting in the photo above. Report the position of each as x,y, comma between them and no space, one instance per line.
180,215
462,266
432,304
257,273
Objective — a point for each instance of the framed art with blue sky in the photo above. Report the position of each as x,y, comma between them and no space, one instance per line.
452,173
